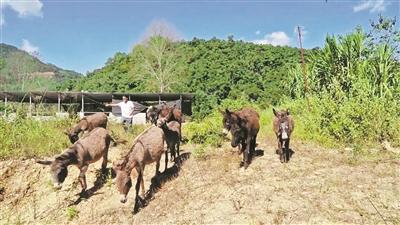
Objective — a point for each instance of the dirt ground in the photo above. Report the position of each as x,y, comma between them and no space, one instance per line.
317,186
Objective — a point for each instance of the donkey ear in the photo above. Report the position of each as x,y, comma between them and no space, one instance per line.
273,110
66,132
227,111
44,162
287,112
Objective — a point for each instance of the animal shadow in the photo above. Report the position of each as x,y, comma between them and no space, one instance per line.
158,181
101,179
257,153
291,152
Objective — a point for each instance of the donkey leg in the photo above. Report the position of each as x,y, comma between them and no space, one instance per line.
166,161
137,187
172,150
177,148
82,177
282,152
287,155
247,158
253,145
104,163
279,146
142,187
158,167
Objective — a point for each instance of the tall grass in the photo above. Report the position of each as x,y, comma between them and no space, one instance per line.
354,92
25,137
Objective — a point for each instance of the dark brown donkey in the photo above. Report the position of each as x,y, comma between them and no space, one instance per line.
85,151
244,126
283,126
87,123
171,114
172,134
147,148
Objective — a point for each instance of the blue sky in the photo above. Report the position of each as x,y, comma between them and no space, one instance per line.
82,35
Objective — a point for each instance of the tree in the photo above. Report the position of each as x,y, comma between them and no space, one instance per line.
161,28
158,64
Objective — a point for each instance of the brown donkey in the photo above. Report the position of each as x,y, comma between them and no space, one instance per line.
244,126
283,126
85,151
87,123
147,148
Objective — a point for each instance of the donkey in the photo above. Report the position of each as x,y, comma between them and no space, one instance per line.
87,123
172,134
152,114
85,151
244,126
283,126
167,113
147,148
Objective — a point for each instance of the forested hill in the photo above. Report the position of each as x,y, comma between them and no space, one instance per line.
214,69
22,71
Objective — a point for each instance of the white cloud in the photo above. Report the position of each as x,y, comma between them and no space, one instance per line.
29,48
275,39
258,32
371,5
23,8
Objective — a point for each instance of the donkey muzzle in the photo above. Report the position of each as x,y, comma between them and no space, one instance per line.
123,199
284,136
225,131
57,186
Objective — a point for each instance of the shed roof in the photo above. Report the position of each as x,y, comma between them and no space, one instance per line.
76,97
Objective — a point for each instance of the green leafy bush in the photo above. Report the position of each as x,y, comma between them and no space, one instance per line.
207,131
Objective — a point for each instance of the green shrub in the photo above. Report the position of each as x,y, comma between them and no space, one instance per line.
207,131
72,212
351,121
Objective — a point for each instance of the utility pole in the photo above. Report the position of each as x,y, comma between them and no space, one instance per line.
304,69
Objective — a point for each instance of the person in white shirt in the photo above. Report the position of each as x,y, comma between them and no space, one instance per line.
127,109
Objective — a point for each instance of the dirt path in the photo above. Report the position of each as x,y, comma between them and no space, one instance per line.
316,186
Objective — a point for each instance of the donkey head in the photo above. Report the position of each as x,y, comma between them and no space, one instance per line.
152,114
72,135
282,125
58,168
233,123
123,179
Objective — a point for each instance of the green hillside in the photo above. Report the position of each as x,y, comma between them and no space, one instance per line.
20,71
213,69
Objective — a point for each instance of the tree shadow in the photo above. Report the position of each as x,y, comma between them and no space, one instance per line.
101,179
158,181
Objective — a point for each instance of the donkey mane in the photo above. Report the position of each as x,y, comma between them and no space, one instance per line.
68,157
